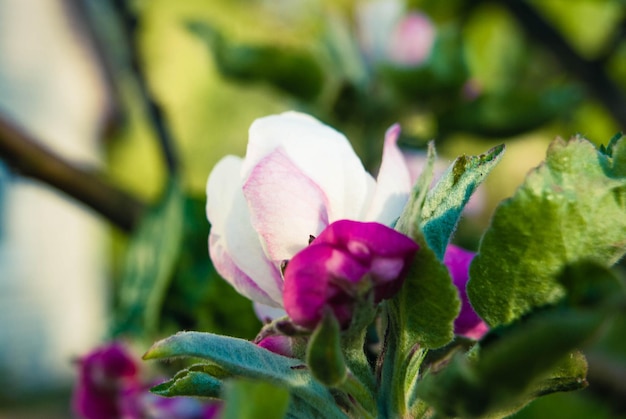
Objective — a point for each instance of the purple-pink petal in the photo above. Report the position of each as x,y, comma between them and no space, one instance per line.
317,277
279,344
386,252
227,268
103,374
468,323
345,254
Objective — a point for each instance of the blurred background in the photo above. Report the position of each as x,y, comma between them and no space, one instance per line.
113,113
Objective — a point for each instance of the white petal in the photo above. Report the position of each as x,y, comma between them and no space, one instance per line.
322,153
393,183
286,206
266,313
221,187
234,245
225,266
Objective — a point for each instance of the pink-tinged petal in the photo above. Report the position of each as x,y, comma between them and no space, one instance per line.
234,246
321,153
244,248
267,314
393,184
286,206
225,266
412,40
278,344
316,278
468,323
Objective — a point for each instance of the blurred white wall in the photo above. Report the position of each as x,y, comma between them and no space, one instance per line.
52,251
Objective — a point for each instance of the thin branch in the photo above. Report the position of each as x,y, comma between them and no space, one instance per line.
155,113
25,155
592,74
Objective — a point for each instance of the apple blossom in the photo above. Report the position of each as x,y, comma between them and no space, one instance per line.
298,176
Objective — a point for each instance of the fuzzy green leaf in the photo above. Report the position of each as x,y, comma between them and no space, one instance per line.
241,358
572,207
533,356
445,201
189,383
530,360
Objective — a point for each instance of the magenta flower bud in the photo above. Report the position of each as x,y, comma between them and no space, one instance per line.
346,261
468,323
103,374
279,344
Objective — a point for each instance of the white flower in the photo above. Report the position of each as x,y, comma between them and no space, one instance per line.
298,176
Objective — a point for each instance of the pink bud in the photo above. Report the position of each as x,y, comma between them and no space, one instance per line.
412,40
346,261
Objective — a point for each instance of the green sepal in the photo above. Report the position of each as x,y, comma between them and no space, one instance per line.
246,399
572,207
445,201
149,263
199,380
241,358
324,356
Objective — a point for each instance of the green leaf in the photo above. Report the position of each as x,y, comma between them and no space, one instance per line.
247,399
529,360
150,260
572,207
532,357
241,358
324,356
189,383
296,72
445,201
506,114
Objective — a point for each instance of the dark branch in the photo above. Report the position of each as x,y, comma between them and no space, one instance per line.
25,155
591,73
154,110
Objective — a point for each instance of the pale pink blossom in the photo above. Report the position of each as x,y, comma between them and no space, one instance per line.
298,176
